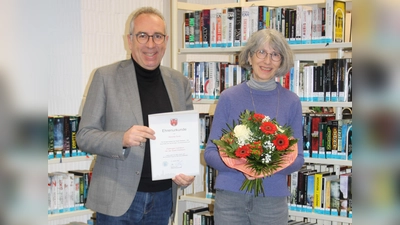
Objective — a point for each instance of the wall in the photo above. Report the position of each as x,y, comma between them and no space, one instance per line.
88,34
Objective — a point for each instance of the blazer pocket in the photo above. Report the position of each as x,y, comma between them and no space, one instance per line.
103,184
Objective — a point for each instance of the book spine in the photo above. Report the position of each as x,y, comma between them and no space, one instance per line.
339,14
58,136
187,30
317,191
224,32
245,31
191,29
197,41
260,18
238,27
328,21
253,19
50,146
206,28
213,28
230,27
219,27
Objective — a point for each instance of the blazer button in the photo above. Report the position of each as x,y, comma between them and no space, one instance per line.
137,172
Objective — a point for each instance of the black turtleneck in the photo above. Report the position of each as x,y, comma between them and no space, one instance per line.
154,99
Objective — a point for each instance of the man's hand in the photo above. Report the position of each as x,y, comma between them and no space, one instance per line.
183,180
136,135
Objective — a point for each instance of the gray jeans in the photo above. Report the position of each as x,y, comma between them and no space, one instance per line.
240,209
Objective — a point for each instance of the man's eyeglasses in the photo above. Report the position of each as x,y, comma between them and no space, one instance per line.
143,38
261,54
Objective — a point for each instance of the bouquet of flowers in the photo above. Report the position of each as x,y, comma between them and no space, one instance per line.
259,147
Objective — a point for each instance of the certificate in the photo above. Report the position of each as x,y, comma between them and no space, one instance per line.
176,148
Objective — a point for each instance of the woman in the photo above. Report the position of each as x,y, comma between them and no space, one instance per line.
268,56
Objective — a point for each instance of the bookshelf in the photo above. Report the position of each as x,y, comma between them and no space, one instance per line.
301,51
65,164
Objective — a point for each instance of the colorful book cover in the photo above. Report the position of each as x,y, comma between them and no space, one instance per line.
187,30
58,135
206,28
191,29
339,15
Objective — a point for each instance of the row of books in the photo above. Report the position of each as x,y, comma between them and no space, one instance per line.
62,136
209,79
329,82
67,191
232,27
321,191
198,216
326,137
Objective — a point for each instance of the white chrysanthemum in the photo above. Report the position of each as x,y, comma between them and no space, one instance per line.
242,133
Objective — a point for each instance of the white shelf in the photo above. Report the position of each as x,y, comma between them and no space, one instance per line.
340,162
241,3
309,48
328,104
71,159
321,217
199,197
69,214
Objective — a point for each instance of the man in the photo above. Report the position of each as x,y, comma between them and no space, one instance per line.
114,126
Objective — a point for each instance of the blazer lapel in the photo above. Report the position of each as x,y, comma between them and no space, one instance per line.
129,83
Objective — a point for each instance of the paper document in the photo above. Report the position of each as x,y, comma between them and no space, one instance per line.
176,148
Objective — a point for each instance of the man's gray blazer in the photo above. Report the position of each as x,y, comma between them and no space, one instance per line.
113,106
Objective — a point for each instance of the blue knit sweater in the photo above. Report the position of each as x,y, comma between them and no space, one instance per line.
286,107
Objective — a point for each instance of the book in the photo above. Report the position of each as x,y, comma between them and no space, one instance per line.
50,137
58,136
245,23
335,196
316,24
206,28
328,21
219,25
67,135
314,129
191,29
238,27
224,27
74,125
253,19
230,21
86,177
187,30
197,29
344,191
213,28
193,211
321,139
325,190
211,175
261,18
339,15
